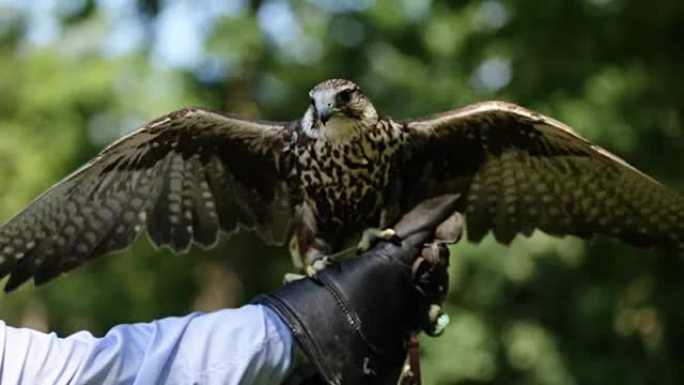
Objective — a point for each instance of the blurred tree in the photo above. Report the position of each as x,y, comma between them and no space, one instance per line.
75,75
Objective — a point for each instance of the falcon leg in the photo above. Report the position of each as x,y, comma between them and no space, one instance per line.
316,258
318,265
310,269
309,255
372,235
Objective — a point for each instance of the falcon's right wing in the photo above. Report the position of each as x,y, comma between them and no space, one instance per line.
182,177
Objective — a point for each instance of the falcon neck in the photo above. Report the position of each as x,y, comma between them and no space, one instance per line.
343,130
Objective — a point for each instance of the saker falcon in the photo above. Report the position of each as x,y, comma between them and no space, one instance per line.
319,180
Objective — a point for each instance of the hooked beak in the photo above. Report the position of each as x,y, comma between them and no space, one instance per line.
324,114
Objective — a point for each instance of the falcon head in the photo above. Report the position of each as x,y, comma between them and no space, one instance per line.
338,109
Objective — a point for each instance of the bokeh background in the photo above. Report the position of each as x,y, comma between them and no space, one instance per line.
76,74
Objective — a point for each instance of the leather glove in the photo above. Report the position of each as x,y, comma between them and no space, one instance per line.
353,320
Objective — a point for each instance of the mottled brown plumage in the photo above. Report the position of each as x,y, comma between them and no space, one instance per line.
319,181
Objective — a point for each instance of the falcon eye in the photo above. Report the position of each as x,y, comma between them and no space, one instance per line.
344,96
311,99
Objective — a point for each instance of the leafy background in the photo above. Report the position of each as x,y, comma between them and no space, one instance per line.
76,74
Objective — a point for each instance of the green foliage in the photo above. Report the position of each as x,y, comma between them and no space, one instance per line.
543,311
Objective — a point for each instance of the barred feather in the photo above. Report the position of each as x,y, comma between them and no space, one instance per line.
182,177
521,171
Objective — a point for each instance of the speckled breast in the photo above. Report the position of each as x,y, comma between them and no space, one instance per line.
346,182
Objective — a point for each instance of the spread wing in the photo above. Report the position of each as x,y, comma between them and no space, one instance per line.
182,177
519,170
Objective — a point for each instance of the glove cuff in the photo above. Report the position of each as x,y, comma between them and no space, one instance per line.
353,334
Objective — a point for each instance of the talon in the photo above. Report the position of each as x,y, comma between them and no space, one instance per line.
291,277
388,234
318,265
373,235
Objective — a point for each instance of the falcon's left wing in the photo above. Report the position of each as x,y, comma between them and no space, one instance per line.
519,170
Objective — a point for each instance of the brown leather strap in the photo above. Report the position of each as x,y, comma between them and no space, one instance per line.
414,358
412,377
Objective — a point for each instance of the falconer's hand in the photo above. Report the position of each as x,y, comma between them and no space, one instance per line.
353,321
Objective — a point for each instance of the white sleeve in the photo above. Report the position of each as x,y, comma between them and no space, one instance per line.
249,345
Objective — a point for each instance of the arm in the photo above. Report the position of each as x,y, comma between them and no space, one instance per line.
246,345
